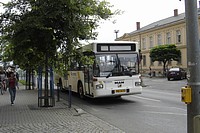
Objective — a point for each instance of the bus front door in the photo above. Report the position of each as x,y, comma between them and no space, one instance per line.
88,78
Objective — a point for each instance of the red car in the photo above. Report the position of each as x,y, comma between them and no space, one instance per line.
176,73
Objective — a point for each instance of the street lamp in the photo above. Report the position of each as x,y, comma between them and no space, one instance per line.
116,32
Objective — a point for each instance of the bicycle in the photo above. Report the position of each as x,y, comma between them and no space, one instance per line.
2,87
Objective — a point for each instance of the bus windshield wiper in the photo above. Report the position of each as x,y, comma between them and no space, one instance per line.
128,73
119,71
112,71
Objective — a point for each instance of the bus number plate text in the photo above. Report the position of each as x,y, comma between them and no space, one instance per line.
119,91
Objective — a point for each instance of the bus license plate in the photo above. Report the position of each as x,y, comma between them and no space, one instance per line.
119,91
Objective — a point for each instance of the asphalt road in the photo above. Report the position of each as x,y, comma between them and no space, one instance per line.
157,110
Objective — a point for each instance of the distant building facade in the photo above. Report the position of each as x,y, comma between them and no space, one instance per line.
171,30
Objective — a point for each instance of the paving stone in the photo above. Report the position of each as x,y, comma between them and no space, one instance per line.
26,117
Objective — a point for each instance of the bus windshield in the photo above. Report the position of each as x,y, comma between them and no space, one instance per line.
108,65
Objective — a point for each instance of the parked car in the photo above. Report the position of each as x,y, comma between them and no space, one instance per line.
176,73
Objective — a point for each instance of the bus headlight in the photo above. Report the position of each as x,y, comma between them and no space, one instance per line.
99,86
138,84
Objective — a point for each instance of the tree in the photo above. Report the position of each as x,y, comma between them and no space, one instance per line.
38,30
41,27
165,53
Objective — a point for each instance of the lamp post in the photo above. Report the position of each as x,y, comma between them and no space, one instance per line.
193,55
116,32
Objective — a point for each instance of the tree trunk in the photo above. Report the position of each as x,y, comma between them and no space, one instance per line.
29,79
46,102
33,81
164,68
26,78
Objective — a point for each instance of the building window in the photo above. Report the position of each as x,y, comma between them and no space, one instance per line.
143,43
159,63
159,39
151,62
151,41
144,60
179,62
178,36
168,38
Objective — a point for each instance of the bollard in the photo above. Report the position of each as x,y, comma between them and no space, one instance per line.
69,98
58,92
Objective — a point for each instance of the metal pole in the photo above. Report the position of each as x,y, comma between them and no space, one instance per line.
70,97
58,92
193,57
116,32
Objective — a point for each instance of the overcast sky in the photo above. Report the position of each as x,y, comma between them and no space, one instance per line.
143,11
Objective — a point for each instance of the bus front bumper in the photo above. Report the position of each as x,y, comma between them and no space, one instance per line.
117,92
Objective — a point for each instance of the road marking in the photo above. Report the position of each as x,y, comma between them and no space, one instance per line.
168,107
149,99
163,113
162,92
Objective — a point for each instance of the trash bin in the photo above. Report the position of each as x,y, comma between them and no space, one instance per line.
154,73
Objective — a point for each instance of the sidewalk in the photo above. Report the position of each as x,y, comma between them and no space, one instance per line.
25,116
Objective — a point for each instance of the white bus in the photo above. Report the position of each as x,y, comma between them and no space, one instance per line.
113,73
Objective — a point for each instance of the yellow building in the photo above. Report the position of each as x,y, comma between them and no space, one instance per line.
171,30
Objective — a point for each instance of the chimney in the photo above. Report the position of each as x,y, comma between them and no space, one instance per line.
138,25
175,12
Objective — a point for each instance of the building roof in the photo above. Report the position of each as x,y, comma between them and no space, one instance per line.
166,21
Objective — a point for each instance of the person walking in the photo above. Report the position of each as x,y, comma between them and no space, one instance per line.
150,72
12,87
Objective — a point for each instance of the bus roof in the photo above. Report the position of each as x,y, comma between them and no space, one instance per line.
113,42
101,41
93,46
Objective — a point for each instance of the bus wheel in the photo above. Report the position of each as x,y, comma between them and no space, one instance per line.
118,96
80,90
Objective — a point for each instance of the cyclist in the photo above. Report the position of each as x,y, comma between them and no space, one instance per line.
2,82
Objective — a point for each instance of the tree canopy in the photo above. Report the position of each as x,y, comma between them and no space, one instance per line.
165,53
34,29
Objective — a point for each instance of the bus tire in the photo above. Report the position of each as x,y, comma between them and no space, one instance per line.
80,90
118,97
